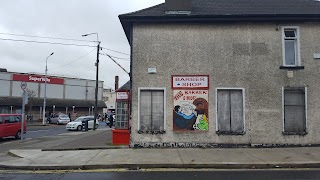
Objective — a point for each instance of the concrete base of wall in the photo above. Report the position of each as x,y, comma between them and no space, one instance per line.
214,145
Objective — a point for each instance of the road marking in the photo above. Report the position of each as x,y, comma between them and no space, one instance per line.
37,131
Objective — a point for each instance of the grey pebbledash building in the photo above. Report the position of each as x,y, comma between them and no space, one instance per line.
212,72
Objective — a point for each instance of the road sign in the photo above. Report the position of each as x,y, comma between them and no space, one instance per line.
23,85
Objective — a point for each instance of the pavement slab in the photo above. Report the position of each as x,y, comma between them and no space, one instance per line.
166,158
218,156
287,155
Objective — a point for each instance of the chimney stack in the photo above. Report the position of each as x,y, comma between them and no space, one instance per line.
116,83
178,5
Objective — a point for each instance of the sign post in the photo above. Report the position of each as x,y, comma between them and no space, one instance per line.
24,102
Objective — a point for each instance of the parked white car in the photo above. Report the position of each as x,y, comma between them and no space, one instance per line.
77,124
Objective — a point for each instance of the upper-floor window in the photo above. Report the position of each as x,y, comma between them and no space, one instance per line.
291,47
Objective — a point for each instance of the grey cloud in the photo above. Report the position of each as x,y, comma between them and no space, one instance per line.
68,19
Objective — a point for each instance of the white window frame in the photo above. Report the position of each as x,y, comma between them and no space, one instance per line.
305,105
164,104
243,105
297,46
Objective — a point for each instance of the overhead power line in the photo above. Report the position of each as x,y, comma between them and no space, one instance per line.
115,51
117,63
46,37
45,42
127,59
73,61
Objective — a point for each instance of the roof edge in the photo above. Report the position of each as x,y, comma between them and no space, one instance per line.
135,12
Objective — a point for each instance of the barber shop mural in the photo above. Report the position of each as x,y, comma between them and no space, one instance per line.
190,101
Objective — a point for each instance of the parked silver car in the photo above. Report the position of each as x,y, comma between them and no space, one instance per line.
59,119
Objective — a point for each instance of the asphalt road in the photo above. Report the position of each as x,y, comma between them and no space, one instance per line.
170,175
41,131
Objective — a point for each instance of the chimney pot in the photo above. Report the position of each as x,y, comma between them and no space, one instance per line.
116,83
178,5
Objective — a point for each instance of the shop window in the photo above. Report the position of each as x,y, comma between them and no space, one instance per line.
4,110
151,111
294,111
122,115
230,111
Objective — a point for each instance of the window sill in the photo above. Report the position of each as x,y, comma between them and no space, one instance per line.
230,133
295,133
292,67
151,132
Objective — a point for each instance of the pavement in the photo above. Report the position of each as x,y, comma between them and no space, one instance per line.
131,158
93,150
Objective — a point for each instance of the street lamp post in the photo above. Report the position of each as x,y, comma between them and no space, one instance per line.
45,91
97,78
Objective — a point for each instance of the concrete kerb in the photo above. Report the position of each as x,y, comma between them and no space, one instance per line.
152,166
14,155
85,148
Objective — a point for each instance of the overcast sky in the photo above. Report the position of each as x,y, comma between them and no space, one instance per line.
66,19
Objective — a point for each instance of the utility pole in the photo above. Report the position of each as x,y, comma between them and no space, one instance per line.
96,90
97,83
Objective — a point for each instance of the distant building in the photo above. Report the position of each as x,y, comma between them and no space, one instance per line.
64,94
109,97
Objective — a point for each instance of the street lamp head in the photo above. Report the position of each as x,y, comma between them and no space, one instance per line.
51,53
91,34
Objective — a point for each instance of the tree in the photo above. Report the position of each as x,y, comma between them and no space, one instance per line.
31,95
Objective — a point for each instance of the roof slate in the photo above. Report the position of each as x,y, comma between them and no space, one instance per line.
125,87
240,7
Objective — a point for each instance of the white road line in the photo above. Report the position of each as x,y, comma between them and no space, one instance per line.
37,131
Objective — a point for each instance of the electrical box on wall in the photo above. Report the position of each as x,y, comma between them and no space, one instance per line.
290,74
152,70
316,56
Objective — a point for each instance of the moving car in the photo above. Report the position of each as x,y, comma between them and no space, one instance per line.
10,125
77,124
59,119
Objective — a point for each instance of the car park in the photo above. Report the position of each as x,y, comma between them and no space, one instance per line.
59,119
77,124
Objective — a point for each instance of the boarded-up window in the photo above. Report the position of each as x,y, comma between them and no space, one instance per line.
294,111
230,111
152,110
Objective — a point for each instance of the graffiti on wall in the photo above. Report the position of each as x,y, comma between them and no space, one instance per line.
190,111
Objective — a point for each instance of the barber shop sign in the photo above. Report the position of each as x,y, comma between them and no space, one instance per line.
190,102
